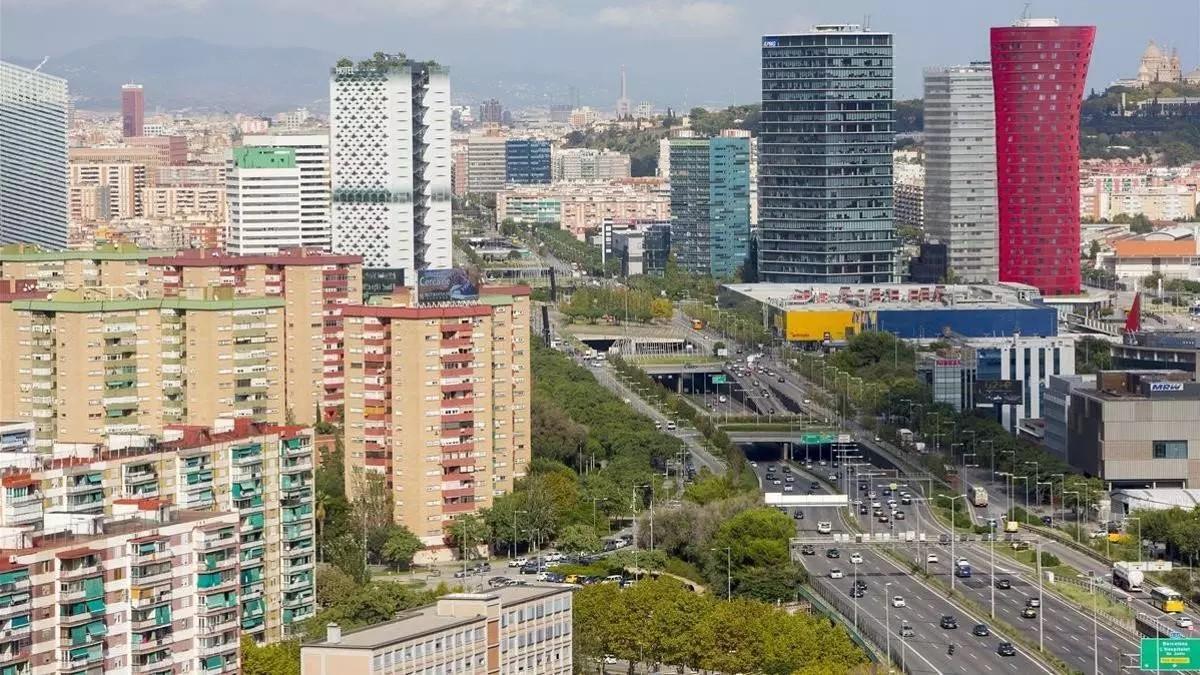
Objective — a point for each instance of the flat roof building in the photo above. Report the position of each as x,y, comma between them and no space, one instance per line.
514,629
1137,429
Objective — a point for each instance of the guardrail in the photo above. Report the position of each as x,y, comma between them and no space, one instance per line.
870,631
1104,618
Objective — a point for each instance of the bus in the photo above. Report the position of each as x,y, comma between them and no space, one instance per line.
1166,599
979,496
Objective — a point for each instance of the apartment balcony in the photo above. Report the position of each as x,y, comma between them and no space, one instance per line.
145,598
80,657
162,661
154,579
458,507
16,650
457,492
91,568
220,624
298,584
451,418
299,600
22,514
215,647
461,402
153,621
457,462
145,647
465,445
299,465
457,343
457,372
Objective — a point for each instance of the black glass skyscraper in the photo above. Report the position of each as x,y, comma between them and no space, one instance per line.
825,157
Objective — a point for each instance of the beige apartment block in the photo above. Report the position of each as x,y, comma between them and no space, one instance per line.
124,171
120,266
314,287
148,589
437,404
518,629
171,201
96,364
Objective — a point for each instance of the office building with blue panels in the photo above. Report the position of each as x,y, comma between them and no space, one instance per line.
825,143
710,204
526,161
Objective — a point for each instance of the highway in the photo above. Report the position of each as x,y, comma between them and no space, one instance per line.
926,651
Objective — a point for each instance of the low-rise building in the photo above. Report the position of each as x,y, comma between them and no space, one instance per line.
115,265
572,164
1159,350
1173,253
1137,429
510,630
1056,401
582,206
437,404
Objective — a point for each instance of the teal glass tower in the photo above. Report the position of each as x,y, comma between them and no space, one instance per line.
710,204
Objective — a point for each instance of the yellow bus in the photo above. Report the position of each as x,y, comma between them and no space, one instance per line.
1166,599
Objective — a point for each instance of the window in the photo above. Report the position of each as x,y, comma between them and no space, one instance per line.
1170,450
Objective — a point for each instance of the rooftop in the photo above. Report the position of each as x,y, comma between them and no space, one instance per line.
34,253
426,619
810,297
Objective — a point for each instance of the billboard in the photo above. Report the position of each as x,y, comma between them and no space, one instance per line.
1003,392
445,286
381,280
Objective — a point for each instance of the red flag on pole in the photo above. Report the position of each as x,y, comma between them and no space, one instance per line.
1133,320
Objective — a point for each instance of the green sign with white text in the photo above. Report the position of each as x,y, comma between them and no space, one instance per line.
1170,654
719,379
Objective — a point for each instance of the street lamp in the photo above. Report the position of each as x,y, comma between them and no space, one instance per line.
1139,537
1036,477
635,499
594,501
992,564
887,618
1078,527
953,535
513,549
1026,479
728,572
1062,483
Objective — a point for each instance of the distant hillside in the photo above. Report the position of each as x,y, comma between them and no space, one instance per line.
181,73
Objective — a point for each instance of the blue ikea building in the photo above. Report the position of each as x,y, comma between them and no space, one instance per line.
916,323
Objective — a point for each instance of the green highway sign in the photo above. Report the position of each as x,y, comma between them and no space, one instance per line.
719,379
816,439
1170,654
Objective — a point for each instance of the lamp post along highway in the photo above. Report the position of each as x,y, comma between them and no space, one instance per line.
887,621
1077,525
953,536
1041,603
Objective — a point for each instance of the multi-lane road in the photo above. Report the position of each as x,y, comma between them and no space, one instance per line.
927,650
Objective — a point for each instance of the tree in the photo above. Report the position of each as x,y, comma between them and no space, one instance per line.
333,585
466,533
347,552
578,539
400,547
279,658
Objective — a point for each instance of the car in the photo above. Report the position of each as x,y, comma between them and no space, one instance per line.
856,559
862,487
518,562
807,401
787,469
1006,649
833,478
991,522
906,500
899,515
906,630
1047,521
872,495
949,622
554,577
883,518
543,576
1033,602
670,426
1029,613
771,468
981,630
892,503
931,558
782,380
860,585
776,482
808,549
832,553
798,515
722,398
835,573
789,488
498,582
863,509
822,462
814,485
877,512
876,504
1003,584
754,464
825,527
898,601
856,592
1184,622
609,659
944,539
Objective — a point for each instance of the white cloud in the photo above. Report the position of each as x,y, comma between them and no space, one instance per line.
687,18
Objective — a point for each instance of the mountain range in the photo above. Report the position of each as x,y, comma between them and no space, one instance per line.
191,74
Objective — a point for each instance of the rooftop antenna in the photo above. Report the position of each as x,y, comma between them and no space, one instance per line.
866,22
1025,12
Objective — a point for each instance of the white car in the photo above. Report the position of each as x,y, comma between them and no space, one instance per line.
855,558
776,482
1185,622
518,562
553,556
824,527
931,558
836,574
789,488
898,601
609,659
722,398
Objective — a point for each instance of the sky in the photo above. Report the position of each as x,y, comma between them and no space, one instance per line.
677,52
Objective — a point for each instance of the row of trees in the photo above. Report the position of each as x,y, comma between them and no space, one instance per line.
662,622
594,303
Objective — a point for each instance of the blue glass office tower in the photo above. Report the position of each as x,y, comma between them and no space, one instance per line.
526,161
710,204
825,157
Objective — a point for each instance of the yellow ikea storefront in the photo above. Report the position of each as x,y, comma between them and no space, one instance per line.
822,324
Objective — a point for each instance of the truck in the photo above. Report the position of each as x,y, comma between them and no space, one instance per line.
919,446
697,324
979,496
906,436
1128,576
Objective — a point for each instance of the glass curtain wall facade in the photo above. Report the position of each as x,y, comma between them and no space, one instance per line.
825,157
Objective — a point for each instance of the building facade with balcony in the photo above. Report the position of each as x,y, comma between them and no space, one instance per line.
437,404
510,630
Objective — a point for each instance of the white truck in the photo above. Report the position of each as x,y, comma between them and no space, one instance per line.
1128,576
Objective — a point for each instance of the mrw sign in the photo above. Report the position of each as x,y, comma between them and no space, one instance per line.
1170,654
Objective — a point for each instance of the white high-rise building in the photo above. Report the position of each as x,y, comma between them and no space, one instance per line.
33,157
960,169
263,195
390,146
312,158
